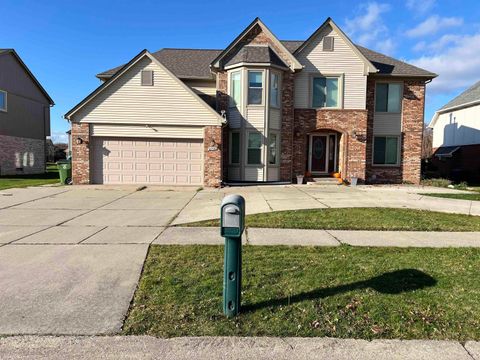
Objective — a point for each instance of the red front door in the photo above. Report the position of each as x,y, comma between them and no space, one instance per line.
319,154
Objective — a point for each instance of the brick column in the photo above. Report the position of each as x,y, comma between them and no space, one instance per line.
288,110
81,154
212,143
412,124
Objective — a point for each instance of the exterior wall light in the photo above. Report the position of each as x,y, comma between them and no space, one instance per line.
79,141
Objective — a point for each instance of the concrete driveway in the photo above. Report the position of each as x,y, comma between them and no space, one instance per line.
71,257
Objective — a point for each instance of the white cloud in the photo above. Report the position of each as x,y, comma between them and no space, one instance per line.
420,7
437,45
434,24
456,64
369,29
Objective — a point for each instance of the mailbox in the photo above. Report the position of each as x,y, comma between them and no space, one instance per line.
232,216
232,224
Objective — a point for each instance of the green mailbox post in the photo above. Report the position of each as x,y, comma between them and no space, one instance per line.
232,224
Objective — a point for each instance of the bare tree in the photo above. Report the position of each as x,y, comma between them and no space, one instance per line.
427,142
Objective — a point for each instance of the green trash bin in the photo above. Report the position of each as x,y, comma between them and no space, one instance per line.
65,171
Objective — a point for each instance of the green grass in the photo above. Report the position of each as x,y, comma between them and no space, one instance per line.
360,219
21,181
346,292
472,196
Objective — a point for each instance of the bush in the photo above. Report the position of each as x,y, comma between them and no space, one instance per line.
436,182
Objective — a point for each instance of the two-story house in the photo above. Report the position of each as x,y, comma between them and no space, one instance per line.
24,117
282,108
456,136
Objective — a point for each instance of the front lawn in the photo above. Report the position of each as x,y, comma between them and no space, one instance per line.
360,219
20,181
345,292
472,196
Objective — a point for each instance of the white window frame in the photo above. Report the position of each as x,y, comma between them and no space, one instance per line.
401,97
399,149
263,87
247,148
5,109
279,89
340,89
239,148
231,104
277,147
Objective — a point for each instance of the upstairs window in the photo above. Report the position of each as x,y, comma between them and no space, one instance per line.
274,91
388,97
325,92
235,88
147,78
3,100
255,87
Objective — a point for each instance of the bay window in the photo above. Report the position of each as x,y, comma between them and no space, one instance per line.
274,91
254,148
234,148
273,149
255,87
235,88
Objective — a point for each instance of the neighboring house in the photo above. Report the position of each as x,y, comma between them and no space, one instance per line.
282,108
24,117
456,136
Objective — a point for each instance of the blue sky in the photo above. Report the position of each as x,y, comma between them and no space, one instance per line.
65,43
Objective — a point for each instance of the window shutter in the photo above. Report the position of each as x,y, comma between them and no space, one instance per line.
328,43
147,78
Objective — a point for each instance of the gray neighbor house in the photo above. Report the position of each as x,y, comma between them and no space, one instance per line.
24,117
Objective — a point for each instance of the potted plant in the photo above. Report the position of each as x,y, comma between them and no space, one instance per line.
300,179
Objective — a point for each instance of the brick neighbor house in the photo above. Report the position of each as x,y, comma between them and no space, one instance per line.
24,117
261,109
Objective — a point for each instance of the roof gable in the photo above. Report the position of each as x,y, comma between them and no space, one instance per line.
471,95
28,72
369,67
116,89
256,33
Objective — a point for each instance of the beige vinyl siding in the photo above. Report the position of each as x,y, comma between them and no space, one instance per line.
253,173
167,102
387,124
255,117
202,87
275,120
342,61
180,132
234,118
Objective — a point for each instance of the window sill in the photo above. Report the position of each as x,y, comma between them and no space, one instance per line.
386,166
387,112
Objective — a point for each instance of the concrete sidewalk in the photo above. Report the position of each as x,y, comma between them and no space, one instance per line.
300,237
213,348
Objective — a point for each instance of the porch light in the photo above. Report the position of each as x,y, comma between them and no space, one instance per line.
79,141
353,134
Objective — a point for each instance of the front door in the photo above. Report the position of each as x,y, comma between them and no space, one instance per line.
318,154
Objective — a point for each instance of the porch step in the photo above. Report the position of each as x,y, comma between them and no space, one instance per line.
324,181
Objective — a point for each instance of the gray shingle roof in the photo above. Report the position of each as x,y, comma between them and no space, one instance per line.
390,66
256,54
195,63
468,96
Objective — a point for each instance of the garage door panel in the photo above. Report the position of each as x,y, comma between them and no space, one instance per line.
147,161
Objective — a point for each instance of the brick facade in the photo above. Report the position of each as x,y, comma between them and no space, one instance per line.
212,165
80,154
409,169
288,114
352,127
20,155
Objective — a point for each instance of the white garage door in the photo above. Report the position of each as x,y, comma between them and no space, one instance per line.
147,161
